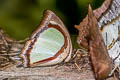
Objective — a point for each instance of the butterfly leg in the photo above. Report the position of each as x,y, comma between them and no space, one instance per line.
22,41
55,67
115,77
77,56
79,68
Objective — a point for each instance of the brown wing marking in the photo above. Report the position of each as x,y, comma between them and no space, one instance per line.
101,61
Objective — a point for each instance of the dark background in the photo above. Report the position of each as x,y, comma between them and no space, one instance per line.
20,17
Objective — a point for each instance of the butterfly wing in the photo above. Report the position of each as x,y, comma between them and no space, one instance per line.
83,26
109,24
49,44
101,61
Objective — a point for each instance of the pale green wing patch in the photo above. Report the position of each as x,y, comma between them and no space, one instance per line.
47,45
110,32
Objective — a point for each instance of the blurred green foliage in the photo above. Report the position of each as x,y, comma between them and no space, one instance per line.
20,17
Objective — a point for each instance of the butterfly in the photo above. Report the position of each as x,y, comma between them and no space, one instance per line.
109,24
49,44
108,20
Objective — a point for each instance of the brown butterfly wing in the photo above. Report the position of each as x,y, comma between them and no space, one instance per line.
101,61
83,26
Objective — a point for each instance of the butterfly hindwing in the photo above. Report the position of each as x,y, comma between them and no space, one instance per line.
49,44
